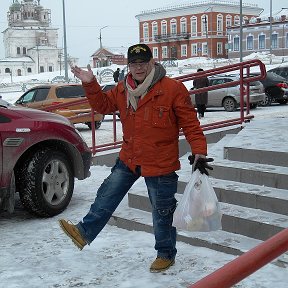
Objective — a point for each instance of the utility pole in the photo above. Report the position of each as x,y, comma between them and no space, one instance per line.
241,32
270,31
65,43
100,36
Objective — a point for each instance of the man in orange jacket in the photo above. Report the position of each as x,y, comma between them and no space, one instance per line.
153,108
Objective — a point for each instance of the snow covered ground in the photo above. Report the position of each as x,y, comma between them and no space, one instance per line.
35,253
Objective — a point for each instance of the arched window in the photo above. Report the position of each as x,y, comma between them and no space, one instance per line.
249,40
219,24
183,25
193,21
163,27
204,24
228,21
261,41
154,30
237,20
146,32
24,50
236,43
7,70
173,27
29,70
19,72
18,50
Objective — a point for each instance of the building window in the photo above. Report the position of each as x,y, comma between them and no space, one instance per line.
173,27
274,39
194,50
236,20
41,69
164,52
219,48
184,50
219,24
155,52
7,70
261,42
204,24
29,70
228,21
18,51
249,40
183,27
164,28
204,49
154,30
236,45
194,26
50,68
146,32
24,50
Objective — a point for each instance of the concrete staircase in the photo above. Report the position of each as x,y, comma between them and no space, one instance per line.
250,178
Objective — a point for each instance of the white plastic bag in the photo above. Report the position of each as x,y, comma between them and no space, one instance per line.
198,209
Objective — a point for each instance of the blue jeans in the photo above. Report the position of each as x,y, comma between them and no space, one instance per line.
161,191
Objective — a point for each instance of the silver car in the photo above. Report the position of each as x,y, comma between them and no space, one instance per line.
229,97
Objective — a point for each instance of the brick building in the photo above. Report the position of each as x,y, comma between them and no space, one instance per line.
191,30
257,38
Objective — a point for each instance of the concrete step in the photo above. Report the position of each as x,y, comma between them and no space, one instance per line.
135,219
253,173
244,172
252,145
245,221
248,195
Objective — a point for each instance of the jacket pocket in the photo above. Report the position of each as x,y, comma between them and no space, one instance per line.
160,117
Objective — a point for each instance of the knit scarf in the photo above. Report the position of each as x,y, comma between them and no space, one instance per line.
135,93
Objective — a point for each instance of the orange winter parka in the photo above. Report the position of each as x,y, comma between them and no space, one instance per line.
151,133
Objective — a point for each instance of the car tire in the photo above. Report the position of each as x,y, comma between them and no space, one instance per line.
229,104
97,124
267,101
47,183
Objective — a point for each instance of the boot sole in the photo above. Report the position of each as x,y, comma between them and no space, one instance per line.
163,269
76,243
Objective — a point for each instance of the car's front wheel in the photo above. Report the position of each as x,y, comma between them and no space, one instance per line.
229,104
47,183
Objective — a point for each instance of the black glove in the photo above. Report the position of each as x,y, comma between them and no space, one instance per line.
201,164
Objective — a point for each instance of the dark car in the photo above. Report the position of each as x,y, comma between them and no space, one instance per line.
41,153
281,71
276,89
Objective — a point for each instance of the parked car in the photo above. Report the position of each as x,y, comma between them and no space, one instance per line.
40,155
43,96
58,79
281,71
229,97
276,89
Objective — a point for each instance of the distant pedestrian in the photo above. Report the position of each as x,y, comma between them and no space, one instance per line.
116,75
201,99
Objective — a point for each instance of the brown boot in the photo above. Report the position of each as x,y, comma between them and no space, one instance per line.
161,264
72,231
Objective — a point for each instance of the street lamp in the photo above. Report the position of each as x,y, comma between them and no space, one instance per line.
100,37
65,43
270,31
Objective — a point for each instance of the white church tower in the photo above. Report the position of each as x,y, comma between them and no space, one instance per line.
30,42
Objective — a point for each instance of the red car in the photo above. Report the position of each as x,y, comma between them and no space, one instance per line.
41,153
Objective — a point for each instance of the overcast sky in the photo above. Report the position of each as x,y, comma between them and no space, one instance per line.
85,18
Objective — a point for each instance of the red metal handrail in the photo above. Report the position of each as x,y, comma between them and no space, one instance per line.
225,69
247,263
